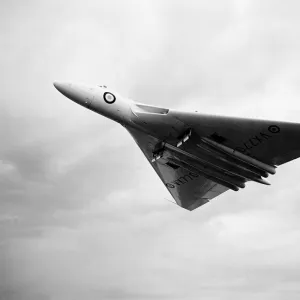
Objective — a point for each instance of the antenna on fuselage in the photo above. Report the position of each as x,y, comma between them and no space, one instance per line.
171,201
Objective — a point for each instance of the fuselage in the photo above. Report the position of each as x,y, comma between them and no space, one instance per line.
99,99
151,120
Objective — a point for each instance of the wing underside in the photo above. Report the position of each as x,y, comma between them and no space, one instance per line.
199,157
189,188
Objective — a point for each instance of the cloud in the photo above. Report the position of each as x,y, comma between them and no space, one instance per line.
82,214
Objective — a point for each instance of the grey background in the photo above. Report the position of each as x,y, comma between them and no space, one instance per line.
82,214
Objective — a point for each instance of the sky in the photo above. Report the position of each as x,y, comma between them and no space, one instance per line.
82,213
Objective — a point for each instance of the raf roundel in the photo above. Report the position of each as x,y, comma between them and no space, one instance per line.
109,97
274,129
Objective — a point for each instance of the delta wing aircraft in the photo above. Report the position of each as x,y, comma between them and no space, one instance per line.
197,156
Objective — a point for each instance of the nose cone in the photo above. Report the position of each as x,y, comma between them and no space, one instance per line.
65,88
62,87
77,93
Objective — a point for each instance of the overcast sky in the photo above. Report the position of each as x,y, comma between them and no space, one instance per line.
82,213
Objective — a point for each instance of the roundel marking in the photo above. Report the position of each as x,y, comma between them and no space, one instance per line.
274,129
109,97
170,185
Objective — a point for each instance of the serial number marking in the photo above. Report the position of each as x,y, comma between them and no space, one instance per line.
182,180
258,139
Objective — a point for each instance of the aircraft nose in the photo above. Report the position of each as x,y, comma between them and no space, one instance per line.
75,92
63,87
